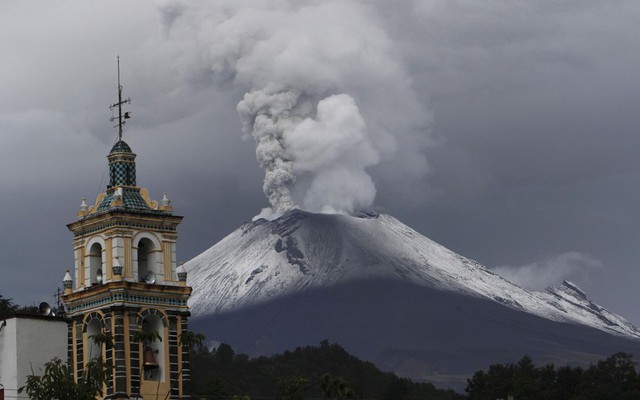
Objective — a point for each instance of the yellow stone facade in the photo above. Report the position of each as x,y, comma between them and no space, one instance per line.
125,284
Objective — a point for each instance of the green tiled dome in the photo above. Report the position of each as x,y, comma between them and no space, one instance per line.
131,198
120,147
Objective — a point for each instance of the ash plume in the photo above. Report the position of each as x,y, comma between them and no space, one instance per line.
327,99
266,116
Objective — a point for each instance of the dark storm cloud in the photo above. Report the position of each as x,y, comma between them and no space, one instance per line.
536,106
535,119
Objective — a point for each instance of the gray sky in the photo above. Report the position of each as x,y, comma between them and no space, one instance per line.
525,112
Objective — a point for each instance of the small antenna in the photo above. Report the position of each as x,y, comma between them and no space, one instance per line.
121,118
57,296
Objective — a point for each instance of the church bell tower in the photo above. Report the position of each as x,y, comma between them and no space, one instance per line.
126,285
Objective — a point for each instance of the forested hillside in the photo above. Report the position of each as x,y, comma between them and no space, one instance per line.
615,378
299,374
221,372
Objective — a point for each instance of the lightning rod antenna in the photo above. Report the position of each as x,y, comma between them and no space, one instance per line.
121,118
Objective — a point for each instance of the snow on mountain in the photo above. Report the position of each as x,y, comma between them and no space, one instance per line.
267,260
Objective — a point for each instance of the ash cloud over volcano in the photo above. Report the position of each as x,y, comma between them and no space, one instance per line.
327,97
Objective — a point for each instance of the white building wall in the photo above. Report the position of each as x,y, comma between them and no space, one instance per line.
28,342
8,358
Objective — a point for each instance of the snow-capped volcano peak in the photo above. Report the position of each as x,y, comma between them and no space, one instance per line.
267,260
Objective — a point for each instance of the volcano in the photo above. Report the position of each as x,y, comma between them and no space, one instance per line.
389,295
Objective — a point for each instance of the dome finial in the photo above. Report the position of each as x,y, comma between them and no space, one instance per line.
182,274
67,282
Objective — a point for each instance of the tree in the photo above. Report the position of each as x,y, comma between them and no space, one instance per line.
615,378
610,378
7,308
102,339
57,382
190,340
525,383
146,337
333,388
568,381
224,354
493,384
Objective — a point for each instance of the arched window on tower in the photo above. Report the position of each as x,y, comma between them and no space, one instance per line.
147,261
153,359
94,350
95,264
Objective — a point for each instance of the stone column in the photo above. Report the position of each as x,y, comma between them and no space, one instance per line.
119,359
79,347
134,353
186,369
174,366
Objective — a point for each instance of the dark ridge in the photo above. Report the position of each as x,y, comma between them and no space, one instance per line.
416,332
222,372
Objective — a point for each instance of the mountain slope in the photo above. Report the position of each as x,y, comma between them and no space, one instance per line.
390,296
266,260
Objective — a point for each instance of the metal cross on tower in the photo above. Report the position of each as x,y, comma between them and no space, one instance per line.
121,118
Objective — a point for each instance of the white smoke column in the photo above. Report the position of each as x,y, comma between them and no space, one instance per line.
266,116
327,97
